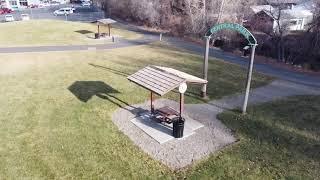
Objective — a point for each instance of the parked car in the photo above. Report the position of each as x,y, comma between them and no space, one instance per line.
54,3
25,17
63,11
43,5
85,4
76,1
33,6
8,18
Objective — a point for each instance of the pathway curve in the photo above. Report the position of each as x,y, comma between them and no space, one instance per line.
149,37
284,74
120,43
276,90
179,153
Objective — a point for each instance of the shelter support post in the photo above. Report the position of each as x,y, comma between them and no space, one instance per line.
249,77
205,68
181,104
160,37
151,102
98,29
109,30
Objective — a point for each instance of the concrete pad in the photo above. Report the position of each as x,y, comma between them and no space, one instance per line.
175,153
162,132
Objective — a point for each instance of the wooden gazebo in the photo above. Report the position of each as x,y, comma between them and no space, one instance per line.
105,22
161,80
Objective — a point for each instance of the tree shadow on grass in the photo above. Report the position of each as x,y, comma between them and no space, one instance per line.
114,71
85,90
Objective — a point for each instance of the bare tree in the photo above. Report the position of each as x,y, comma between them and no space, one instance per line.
280,28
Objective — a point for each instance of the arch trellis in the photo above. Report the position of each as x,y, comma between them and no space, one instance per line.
252,42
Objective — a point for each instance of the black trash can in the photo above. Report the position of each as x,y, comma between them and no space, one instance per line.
96,35
178,127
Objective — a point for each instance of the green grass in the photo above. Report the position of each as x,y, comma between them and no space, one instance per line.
278,140
54,32
56,110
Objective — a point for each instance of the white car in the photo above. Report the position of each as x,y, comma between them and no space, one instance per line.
25,17
54,3
86,4
8,18
43,5
63,11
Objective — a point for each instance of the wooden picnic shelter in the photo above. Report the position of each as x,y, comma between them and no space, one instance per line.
160,81
105,22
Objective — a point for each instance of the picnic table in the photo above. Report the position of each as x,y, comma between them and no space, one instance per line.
160,81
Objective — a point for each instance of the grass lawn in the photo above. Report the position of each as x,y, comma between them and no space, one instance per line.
56,110
278,140
54,32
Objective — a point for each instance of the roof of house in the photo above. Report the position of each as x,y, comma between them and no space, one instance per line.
294,13
275,2
257,9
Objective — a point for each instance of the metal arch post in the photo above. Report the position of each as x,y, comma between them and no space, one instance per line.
249,78
205,67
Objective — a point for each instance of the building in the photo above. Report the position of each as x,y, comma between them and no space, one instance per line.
293,17
18,4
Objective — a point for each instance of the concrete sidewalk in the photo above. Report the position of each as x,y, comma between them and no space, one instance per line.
120,43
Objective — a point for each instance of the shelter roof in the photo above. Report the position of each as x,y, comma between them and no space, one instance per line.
162,80
106,21
156,80
188,77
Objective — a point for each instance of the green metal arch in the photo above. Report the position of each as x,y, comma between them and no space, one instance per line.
232,26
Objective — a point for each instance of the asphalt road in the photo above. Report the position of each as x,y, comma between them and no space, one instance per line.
85,14
296,77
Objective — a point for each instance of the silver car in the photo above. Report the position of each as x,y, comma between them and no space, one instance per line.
9,18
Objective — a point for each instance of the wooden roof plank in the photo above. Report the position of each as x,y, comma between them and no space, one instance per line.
159,80
156,80
137,81
160,71
169,80
150,83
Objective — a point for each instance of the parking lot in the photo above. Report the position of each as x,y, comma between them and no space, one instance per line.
85,14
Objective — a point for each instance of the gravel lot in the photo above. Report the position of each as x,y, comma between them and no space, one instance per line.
177,153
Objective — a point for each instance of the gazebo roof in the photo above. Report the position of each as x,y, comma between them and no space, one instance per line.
188,77
156,80
106,21
162,80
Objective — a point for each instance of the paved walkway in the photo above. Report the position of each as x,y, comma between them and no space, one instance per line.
179,153
284,74
120,43
149,37
297,77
